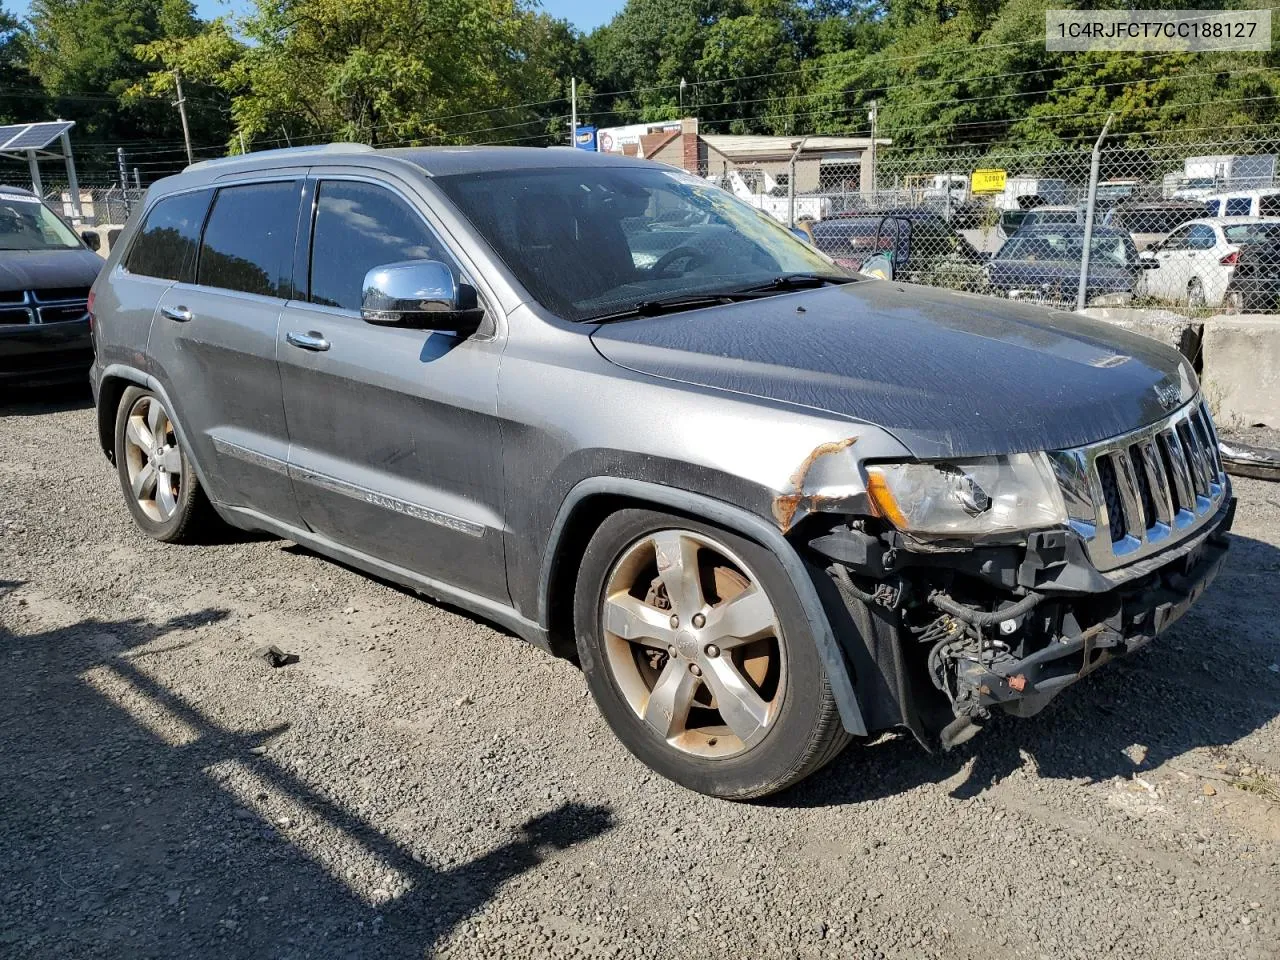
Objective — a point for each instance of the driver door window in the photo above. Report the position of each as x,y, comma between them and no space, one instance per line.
360,226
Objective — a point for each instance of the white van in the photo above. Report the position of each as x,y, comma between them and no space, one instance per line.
1243,203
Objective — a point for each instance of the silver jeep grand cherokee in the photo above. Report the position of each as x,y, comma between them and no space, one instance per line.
766,504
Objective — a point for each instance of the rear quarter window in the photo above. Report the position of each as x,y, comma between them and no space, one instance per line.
165,246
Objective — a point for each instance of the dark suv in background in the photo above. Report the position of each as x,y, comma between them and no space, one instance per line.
768,505
45,274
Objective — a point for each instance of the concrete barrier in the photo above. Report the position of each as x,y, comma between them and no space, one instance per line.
1241,370
1164,325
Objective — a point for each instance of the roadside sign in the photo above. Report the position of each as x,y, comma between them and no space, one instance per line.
987,181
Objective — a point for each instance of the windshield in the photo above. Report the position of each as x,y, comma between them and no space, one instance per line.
27,224
589,241
1068,247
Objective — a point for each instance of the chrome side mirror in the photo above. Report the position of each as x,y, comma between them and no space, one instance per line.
422,294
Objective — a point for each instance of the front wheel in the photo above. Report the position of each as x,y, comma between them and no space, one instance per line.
699,656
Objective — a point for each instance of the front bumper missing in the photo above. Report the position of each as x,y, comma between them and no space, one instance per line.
1126,620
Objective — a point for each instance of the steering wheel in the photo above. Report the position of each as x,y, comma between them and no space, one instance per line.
692,254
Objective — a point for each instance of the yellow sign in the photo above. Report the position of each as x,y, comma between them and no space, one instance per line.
987,181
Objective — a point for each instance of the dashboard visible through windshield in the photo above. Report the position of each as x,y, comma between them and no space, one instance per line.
589,242
27,224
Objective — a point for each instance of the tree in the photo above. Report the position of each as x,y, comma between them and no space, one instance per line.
383,71
20,97
85,54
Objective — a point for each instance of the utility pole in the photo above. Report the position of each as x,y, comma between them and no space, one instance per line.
872,114
181,104
573,111
682,86
242,146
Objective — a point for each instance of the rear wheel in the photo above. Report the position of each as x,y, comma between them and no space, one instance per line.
699,656
159,484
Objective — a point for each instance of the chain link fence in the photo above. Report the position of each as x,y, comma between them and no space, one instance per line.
100,205
1189,227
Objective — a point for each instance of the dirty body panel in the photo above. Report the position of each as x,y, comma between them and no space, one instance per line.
767,413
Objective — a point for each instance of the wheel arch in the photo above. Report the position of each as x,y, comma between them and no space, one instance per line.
118,378
592,500
115,380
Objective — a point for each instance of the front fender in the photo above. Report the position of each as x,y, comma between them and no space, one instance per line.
733,518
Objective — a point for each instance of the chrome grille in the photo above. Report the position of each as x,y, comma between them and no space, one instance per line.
1134,495
61,305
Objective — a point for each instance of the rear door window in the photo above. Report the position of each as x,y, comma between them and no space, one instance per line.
1269,206
248,243
360,226
165,246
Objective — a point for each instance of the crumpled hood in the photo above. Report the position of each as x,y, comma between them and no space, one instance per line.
30,269
948,374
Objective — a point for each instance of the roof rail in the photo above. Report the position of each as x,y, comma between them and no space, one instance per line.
283,152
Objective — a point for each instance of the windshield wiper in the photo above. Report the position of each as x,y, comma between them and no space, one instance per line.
694,301
797,281
661,305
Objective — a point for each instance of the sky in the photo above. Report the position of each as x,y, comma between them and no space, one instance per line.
586,15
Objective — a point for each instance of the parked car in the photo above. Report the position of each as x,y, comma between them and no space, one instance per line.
45,273
922,246
1042,263
1149,222
1011,221
1242,203
1111,192
1195,263
1254,285
767,505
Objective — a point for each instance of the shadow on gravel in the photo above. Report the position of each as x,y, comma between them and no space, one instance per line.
1205,683
34,401
120,834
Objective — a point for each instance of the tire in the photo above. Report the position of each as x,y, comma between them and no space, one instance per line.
183,513
728,743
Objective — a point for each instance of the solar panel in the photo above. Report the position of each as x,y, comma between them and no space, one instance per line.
33,136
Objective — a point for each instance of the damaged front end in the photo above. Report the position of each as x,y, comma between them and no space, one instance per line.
942,629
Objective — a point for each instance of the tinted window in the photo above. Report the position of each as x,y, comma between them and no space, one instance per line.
1238,206
360,226
248,243
166,243
1269,206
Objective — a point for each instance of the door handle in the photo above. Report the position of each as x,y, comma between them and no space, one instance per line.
177,314
310,340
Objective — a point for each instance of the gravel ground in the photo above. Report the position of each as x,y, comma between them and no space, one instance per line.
420,783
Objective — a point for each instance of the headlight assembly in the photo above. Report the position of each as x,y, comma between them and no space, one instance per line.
973,498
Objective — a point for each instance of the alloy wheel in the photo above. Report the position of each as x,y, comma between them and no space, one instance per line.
153,459
693,643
